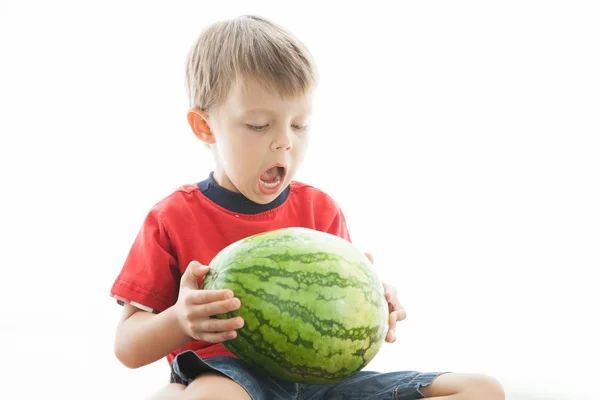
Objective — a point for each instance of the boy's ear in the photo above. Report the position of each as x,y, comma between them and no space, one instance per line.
199,124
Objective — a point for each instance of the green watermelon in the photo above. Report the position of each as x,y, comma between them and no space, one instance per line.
314,309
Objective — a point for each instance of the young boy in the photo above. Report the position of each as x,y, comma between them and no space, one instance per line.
251,86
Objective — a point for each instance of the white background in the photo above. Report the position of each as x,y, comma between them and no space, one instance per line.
461,139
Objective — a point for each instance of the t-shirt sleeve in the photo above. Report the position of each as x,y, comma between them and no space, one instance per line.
150,277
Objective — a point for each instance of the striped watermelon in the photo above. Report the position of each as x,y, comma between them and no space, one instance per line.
314,310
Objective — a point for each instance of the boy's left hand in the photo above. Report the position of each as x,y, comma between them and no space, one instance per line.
397,311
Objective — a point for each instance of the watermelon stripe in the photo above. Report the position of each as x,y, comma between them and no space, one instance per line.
308,278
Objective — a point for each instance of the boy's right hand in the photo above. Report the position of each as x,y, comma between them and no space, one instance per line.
195,307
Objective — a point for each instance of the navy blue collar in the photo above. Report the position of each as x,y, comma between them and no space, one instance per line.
237,202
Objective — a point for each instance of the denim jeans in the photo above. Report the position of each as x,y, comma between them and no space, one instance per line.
370,385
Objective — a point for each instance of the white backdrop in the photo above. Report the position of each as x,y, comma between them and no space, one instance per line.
461,139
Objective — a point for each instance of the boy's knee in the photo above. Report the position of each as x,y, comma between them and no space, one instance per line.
173,391
467,386
485,387
214,386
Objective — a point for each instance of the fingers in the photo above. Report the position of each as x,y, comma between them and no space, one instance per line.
199,324
391,335
400,314
213,325
213,308
395,317
370,257
216,330
193,272
393,303
208,296
391,295
397,307
217,337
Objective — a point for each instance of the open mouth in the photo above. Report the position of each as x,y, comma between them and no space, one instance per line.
272,177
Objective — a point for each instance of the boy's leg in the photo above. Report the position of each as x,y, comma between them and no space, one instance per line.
173,391
217,387
400,385
222,378
457,386
408,385
211,386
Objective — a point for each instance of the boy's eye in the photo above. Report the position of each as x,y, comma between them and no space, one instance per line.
300,127
260,128
257,128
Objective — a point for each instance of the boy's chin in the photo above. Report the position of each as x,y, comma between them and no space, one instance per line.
264,198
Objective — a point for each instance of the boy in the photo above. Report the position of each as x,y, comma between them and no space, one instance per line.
251,85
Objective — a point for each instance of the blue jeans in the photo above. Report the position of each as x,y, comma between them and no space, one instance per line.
368,385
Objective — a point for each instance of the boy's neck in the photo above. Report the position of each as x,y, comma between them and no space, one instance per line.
237,202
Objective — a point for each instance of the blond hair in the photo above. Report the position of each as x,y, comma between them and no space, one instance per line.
247,47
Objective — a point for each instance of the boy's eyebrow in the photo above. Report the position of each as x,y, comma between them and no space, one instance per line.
257,110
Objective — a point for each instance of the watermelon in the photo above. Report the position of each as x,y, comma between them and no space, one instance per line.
314,310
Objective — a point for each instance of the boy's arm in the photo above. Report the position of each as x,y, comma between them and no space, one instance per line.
143,337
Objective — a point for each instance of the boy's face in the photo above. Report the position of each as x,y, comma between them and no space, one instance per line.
258,140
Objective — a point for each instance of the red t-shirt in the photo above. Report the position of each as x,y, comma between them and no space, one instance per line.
195,222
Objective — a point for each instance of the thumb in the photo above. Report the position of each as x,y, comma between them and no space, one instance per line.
193,272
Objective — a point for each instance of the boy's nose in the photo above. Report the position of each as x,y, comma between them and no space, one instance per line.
282,141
